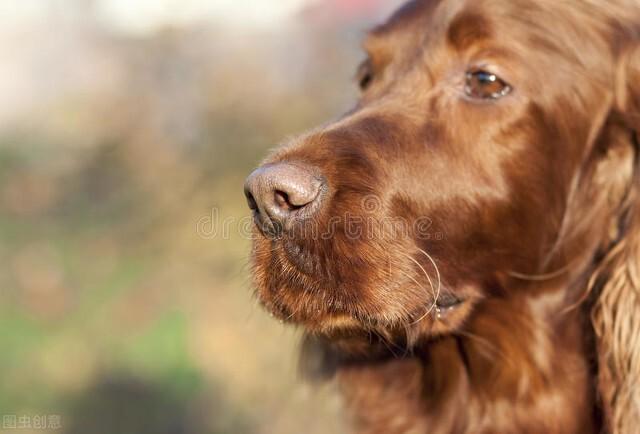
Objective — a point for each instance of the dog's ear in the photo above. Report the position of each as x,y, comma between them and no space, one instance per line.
616,283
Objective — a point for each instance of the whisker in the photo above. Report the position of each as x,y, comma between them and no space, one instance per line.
386,343
541,276
430,307
437,271
435,292
423,270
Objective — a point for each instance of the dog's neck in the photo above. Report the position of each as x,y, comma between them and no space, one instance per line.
519,364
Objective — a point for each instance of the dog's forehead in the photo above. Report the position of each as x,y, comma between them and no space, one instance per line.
549,29
439,12
461,21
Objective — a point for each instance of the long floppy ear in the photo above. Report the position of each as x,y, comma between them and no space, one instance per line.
616,283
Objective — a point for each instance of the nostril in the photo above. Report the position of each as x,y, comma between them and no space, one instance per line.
283,201
251,201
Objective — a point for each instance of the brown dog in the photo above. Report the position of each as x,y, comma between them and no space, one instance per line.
464,246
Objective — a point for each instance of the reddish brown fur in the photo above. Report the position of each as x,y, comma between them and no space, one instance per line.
530,202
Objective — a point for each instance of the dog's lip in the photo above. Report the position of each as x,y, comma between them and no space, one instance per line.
296,256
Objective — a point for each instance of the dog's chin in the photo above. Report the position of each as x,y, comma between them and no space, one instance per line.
369,335
318,320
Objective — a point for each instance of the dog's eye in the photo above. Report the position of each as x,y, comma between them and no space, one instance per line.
364,76
485,85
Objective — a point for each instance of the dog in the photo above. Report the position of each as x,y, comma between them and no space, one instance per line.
462,248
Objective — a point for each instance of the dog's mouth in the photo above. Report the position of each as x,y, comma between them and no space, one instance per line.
328,311
393,293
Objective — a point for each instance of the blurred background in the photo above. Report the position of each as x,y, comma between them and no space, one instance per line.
126,130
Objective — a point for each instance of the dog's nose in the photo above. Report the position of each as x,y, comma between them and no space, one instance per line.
281,193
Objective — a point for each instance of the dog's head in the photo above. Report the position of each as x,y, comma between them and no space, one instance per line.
490,156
